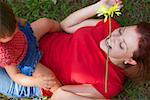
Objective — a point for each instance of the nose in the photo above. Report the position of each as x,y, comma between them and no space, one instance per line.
115,39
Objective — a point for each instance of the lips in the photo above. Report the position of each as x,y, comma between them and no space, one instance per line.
107,42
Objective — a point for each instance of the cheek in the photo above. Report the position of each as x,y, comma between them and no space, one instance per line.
117,53
5,40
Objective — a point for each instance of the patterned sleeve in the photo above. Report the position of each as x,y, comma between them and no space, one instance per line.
6,57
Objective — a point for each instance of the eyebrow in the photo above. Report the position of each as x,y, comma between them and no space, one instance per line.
120,31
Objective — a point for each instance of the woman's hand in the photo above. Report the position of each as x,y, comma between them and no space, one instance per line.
45,82
110,3
42,71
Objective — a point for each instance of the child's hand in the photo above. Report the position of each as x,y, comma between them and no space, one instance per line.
110,3
45,82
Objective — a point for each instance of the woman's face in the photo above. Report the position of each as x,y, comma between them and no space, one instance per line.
123,42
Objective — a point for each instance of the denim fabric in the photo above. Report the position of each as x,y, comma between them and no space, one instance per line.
12,89
27,66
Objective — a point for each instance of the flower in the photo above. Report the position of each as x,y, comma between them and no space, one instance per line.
108,12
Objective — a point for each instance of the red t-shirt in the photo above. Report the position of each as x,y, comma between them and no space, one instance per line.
14,50
78,59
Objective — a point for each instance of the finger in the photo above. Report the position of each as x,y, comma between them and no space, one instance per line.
49,85
48,78
120,4
118,1
47,89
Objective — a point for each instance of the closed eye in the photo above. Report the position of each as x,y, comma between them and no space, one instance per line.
121,45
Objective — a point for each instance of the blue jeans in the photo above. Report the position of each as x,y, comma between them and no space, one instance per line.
27,67
12,89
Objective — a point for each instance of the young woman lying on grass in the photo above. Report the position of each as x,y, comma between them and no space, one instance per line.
78,59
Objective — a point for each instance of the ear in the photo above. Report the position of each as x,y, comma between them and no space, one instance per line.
130,61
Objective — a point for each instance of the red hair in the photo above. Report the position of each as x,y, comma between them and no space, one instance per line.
142,56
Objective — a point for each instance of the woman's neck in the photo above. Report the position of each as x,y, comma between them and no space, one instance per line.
118,62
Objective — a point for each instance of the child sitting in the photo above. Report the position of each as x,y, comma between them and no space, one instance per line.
20,55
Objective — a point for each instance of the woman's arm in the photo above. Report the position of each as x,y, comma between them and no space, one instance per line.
77,92
80,19
22,79
43,26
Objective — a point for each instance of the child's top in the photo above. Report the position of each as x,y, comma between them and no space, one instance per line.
14,50
78,59
23,50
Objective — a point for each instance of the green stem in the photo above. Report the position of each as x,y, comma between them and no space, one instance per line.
107,59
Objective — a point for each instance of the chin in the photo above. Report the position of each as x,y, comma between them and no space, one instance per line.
103,45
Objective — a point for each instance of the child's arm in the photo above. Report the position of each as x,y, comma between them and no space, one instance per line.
80,19
40,81
43,26
77,92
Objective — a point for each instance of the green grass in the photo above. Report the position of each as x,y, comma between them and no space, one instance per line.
134,11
